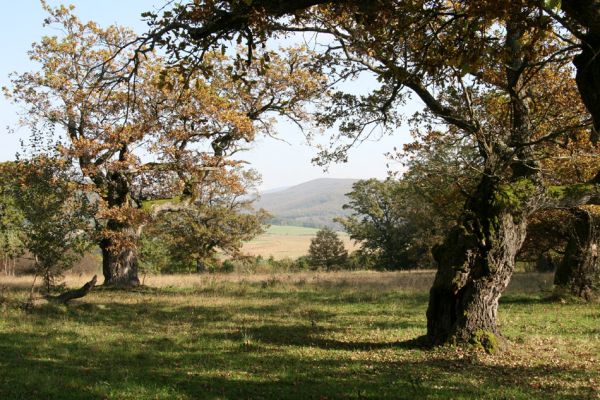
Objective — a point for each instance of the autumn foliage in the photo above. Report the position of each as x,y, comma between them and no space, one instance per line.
166,134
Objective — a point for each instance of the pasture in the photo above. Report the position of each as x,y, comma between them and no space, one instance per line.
341,335
282,241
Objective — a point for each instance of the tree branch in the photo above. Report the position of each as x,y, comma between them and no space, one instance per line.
75,294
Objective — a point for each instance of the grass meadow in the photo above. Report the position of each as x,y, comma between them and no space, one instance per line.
314,335
282,241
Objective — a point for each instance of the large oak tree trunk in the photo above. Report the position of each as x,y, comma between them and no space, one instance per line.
475,264
579,271
119,252
587,13
119,267
588,80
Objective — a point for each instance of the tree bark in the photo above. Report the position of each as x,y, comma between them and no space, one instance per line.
119,266
475,264
579,271
587,13
119,253
588,81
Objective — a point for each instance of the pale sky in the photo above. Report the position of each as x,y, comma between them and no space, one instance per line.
281,164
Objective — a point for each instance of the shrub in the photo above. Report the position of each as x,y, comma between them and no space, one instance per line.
302,263
228,266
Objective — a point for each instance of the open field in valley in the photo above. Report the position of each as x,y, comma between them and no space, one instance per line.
288,241
342,335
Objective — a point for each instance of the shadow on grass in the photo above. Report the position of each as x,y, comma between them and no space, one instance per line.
151,348
318,337
61,366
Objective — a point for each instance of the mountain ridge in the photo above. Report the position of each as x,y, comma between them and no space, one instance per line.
312,204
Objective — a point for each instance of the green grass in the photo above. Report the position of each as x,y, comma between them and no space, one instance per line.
282,338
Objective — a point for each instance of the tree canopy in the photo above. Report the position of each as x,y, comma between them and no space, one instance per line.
215,225
158,136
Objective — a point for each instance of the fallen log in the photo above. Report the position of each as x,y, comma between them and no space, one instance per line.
75,294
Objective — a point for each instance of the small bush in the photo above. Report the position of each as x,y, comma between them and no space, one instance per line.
228,266
360,260
302,263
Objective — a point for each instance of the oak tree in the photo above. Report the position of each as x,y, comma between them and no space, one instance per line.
158,136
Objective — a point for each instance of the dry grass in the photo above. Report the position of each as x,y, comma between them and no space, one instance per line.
417,280
351,279
288,242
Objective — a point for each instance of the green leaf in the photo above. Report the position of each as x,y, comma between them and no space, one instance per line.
552,4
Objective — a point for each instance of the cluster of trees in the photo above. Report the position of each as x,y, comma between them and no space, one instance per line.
400,221
48,219
157,152
10,238
496,74
510,90
398,224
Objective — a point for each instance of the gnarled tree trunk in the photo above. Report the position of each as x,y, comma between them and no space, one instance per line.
476,261
579,271
119,266
587,13
588,80
475,264
119,252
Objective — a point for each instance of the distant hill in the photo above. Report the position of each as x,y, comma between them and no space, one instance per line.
313,204
275,190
